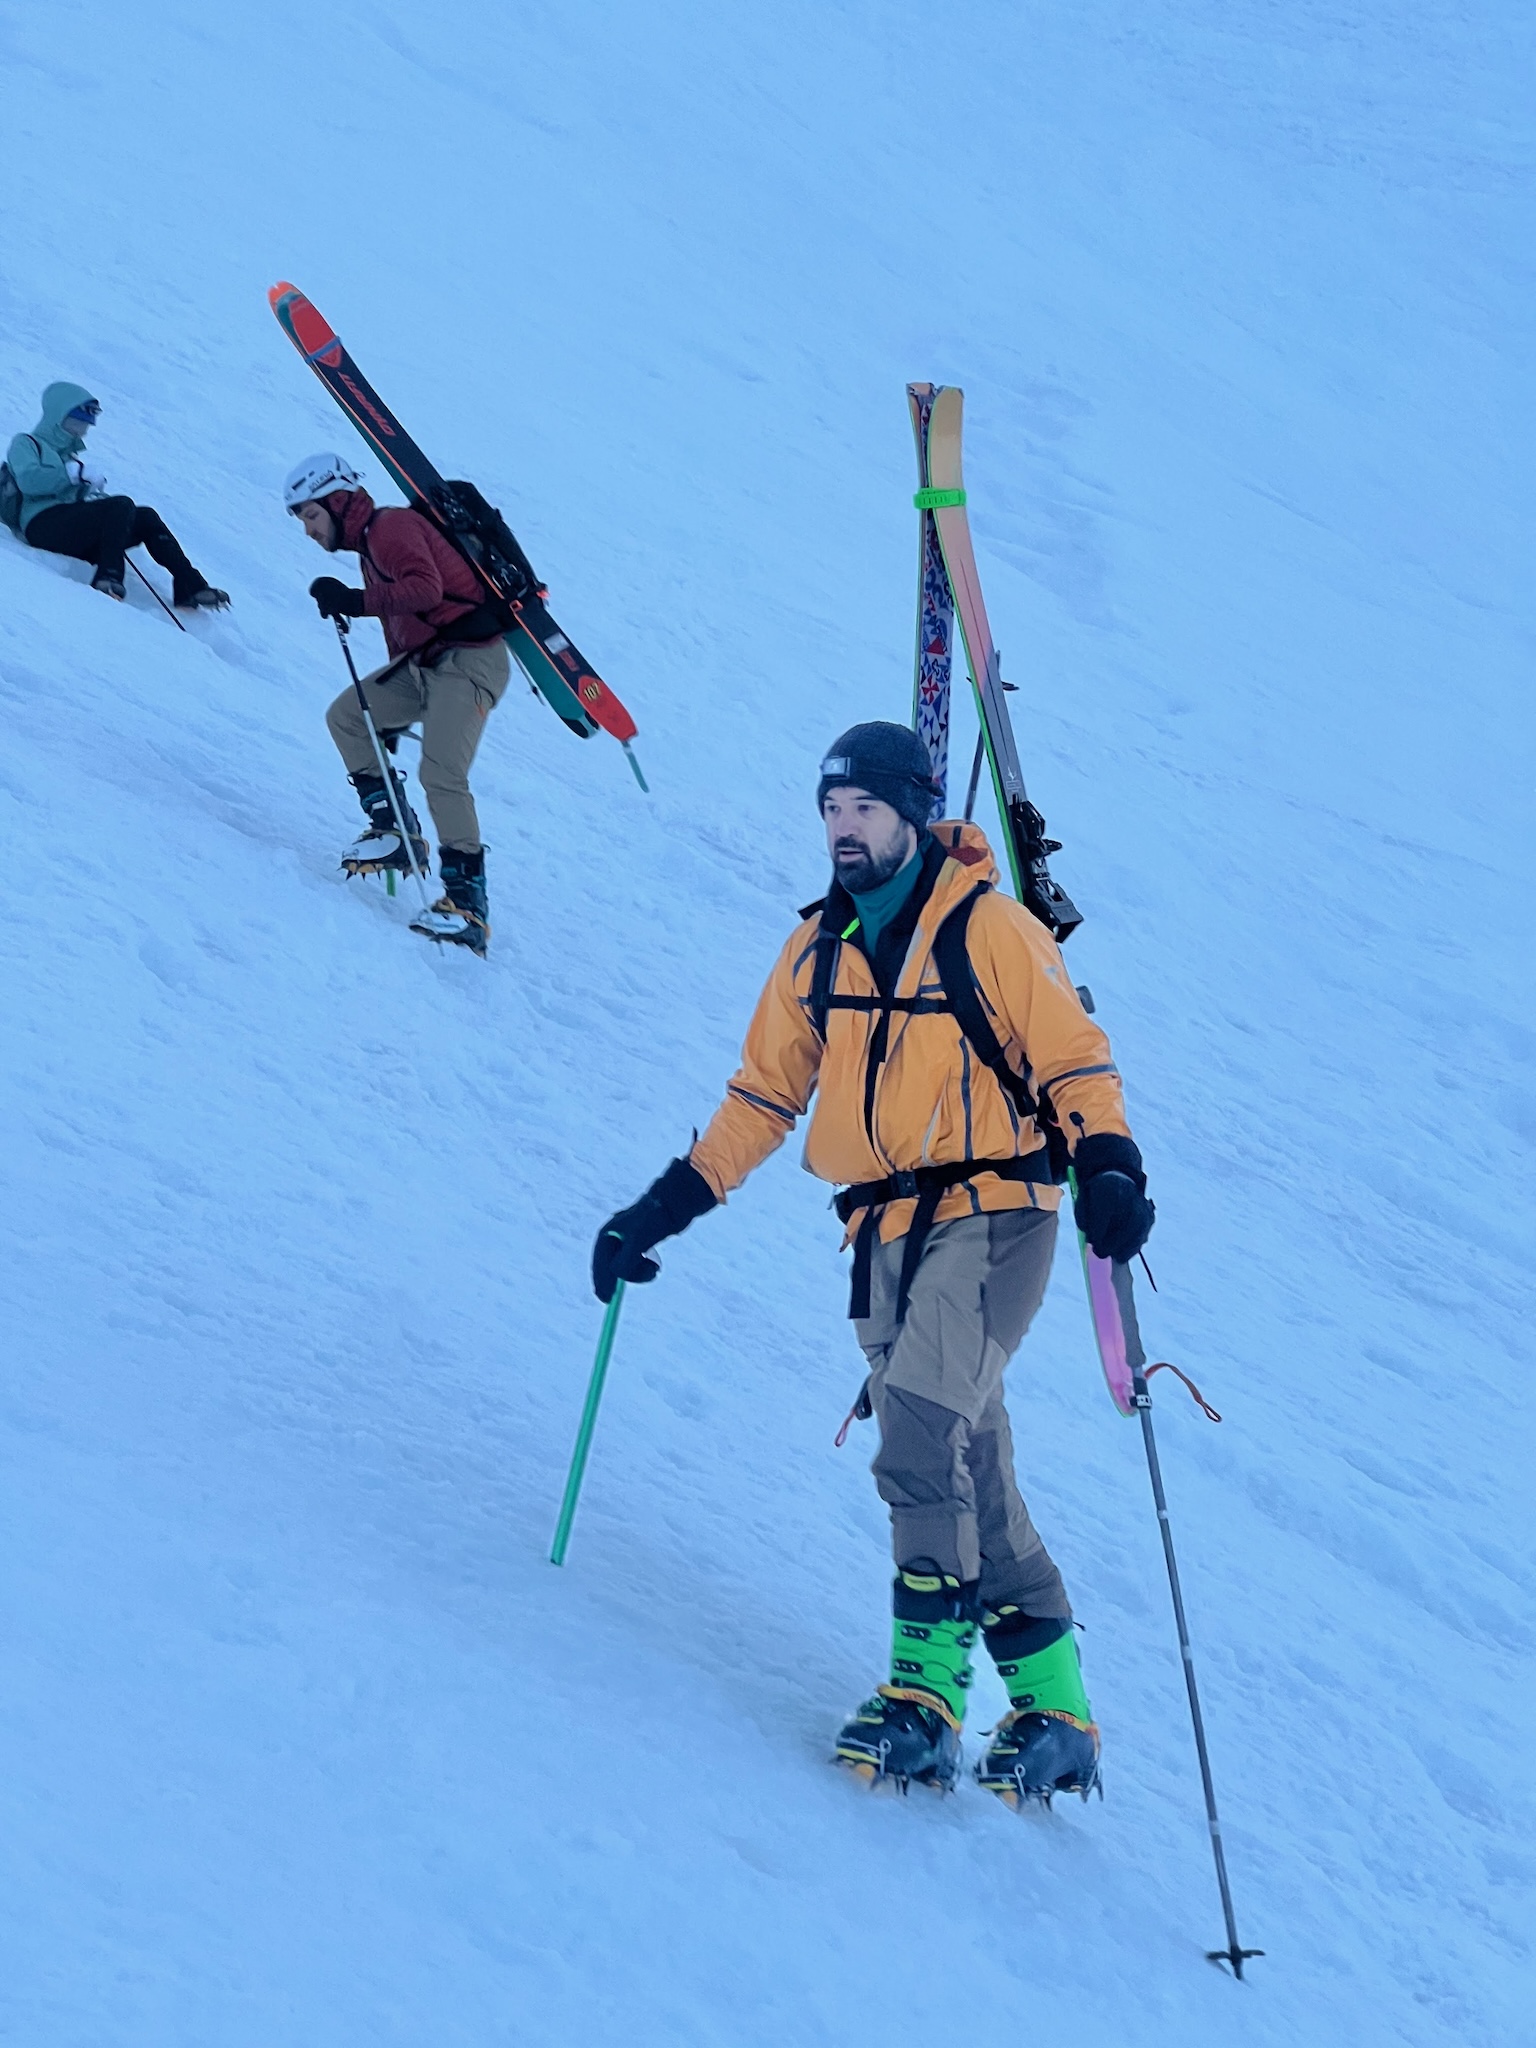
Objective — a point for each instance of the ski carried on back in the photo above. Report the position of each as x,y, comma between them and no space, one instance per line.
550,659
935,618
937,414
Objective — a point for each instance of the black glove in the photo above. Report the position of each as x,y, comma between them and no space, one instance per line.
667,1206
335,600
1111,1209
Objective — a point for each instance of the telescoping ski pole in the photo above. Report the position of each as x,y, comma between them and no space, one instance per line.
1234,1953
1112,1300
588,1424
179,624
385,767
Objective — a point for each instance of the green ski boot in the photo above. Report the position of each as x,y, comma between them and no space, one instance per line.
909,1730
1047,1743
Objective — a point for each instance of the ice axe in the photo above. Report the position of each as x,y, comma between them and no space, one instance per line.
588,1424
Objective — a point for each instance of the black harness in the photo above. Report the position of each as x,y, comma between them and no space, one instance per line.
927,1185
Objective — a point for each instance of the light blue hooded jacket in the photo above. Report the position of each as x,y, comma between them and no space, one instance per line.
39,460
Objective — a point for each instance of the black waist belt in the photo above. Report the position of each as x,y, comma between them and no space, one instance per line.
926,1185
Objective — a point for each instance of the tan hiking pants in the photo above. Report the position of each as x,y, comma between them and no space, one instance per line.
453,701
945,1463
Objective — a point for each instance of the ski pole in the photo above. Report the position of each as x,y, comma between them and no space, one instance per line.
588,1424
981,754
180,624
385,767
1234,1953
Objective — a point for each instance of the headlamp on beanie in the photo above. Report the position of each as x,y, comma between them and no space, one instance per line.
889,761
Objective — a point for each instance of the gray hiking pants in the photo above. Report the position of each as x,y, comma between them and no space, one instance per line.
945,1463
453,701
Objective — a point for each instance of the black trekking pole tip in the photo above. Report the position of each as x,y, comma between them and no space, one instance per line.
1234,1958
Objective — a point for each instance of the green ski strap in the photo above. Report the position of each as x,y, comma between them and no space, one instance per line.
932,499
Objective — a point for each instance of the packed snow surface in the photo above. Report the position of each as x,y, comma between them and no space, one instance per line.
305,1740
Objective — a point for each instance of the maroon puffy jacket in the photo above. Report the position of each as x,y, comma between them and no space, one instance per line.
416,582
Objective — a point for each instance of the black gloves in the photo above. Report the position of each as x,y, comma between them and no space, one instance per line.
667,1206
335,600
1111,1209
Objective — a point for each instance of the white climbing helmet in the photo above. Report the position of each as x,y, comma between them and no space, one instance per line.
316,477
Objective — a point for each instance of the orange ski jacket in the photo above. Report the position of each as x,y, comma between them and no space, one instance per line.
930,1101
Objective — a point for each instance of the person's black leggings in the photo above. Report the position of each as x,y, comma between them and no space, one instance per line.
101,530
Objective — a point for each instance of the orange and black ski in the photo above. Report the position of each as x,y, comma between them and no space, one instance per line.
550,659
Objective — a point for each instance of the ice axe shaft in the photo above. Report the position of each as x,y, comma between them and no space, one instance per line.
588,1424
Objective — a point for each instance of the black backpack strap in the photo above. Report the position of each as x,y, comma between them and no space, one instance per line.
952,958
823,973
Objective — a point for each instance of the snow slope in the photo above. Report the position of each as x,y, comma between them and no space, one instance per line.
305,1741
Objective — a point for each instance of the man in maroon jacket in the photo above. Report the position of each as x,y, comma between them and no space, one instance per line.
448,667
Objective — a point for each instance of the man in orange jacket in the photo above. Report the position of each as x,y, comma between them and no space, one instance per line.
933,1021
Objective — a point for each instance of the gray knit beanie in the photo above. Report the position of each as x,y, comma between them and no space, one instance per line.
890,761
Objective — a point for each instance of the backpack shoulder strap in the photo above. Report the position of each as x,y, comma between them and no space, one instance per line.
823,972
952,958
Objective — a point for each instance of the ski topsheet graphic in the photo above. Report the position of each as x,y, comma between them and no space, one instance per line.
549,658
935,617
941,500
937,418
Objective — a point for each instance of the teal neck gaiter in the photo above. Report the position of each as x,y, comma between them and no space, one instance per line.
879,906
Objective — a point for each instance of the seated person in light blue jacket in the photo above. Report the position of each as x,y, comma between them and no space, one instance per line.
65,507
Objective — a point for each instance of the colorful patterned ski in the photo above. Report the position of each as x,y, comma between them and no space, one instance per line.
937,417
944,498
935,615
552,662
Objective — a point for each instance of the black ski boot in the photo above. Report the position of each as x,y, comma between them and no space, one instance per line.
1032,1757
910,1728
198,596
459,917
381,846
1048,1742
899,1736
110,585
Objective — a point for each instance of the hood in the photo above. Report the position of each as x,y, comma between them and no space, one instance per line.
355,515
59,399
969,850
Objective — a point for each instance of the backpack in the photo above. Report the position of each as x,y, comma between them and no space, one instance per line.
10,496
478,532
484,538
961,998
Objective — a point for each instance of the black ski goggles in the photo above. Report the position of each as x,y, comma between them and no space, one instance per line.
89,413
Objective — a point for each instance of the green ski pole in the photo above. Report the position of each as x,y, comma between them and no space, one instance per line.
588,1424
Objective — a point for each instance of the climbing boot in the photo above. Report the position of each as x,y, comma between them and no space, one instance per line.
909,1729
1047,1742
380,846
460,916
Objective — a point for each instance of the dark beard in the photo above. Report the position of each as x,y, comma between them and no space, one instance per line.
860,876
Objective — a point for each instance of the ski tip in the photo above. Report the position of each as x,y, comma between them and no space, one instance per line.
280,291
629,755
